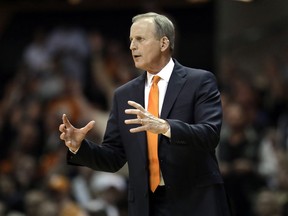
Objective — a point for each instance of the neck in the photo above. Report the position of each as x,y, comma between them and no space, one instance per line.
160,66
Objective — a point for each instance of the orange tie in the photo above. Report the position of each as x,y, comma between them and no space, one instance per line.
152,139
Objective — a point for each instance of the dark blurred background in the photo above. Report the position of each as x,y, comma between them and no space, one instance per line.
67,56
20,19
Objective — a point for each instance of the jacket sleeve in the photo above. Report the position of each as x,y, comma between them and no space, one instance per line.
204,130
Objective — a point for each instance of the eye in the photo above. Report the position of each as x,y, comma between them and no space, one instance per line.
139,39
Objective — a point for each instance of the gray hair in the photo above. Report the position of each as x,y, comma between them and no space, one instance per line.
163,26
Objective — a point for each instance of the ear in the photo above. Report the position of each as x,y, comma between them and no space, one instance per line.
164,43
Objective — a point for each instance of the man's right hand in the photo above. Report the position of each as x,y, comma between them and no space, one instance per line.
72,136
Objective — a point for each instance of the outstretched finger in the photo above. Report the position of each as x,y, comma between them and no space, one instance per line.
133,112
133,121
66,121
138,129
136,105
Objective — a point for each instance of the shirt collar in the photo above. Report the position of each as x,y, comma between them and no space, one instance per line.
165,73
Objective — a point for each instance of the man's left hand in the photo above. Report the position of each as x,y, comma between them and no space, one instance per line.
147,121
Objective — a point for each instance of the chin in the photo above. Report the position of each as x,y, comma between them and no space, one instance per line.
139,66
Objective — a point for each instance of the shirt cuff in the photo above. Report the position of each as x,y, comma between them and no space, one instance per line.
167,133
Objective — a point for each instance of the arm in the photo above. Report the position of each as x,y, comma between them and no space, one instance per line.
207,117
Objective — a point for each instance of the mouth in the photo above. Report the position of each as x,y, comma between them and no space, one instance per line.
136,56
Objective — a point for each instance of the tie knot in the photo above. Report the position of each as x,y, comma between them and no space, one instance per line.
156,79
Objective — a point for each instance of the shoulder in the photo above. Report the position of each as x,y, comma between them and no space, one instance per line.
194,73
132,84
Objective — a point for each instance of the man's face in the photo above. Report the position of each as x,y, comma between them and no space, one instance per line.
145,47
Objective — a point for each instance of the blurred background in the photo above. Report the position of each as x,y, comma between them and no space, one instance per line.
67,56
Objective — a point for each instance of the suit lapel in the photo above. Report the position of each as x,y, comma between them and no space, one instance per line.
137,94
175,84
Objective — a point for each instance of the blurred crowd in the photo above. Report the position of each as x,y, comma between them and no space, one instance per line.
74,71
65,70
253,149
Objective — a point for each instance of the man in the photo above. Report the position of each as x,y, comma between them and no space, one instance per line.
186,125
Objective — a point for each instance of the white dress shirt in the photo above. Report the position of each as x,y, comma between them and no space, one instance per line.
165,74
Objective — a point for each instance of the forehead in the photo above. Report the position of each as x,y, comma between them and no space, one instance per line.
143,26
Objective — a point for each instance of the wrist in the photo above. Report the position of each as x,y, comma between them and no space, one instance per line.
166,131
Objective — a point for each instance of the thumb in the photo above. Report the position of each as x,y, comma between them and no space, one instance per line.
89,126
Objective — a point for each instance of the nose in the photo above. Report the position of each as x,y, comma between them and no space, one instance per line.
132,45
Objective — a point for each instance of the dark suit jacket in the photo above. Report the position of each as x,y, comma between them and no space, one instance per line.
192,106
